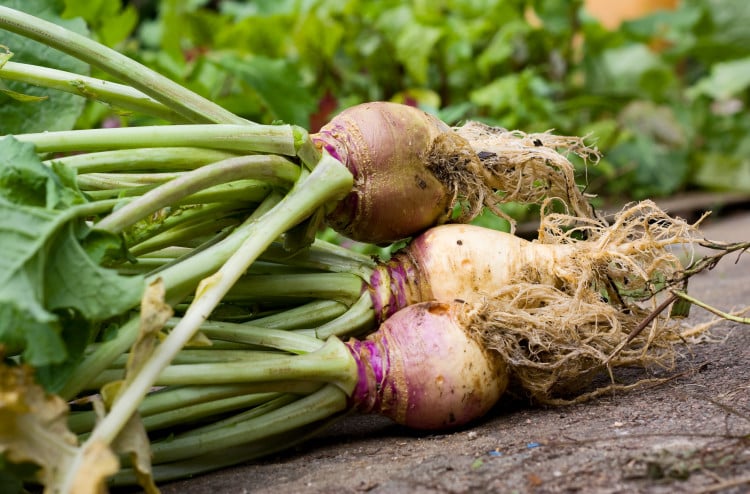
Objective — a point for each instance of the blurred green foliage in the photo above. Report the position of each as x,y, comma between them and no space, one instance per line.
664,97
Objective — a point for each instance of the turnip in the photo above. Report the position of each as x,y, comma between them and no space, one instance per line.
412,171
624,262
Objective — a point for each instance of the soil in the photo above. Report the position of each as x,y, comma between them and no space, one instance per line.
690,434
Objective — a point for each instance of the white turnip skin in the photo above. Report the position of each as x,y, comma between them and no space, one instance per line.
466,263
425,370
394,152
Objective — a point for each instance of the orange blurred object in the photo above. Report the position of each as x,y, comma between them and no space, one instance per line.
611,13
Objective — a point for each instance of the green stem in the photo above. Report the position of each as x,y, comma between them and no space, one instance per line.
180,218
237,191
183,101
180,278
108,181
249,190
329,181
332,363
325,256
711,309
275,139
341,287
209,354
169,400
107,92
187,414
131,160
194,229
359,318
229,456
305,316
96,362
260,336
320,405
269,167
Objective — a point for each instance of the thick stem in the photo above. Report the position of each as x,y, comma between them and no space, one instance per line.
341,287
305,316
225,457
183,101
107,92
174,399
359,318
188,414
109,181
320,405
275,139
252,334
132,160
269,167
96,362
325,256
186,229
331,363
182,276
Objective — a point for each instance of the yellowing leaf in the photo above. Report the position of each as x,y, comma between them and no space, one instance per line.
23,98
33,428
99,462
154,315
133,439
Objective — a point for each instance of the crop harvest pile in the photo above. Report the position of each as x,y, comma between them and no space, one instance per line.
167,307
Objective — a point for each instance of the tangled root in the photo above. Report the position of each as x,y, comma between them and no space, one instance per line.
557,338
528,168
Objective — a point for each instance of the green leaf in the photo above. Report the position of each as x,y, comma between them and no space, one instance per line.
723,32
722,171
276,83
60,110
726,80
620,70
23,181
646,159
45,272
110,22
414,46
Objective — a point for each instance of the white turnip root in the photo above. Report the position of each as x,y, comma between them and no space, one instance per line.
411,170
619,262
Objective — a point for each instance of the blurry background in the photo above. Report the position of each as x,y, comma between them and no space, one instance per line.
661,86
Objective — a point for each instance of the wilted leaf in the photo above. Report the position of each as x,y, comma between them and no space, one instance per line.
155,313
98,463
134,441
33,428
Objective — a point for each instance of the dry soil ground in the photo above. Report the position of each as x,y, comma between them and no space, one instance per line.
691,434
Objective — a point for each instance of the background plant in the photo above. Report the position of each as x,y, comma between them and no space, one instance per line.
665,96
